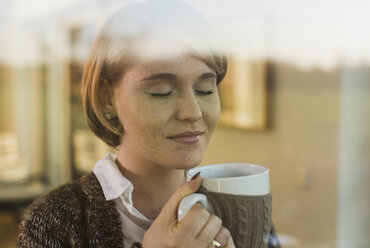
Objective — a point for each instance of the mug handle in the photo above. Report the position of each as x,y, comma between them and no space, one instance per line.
188,201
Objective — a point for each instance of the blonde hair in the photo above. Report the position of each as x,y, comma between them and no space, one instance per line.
120,43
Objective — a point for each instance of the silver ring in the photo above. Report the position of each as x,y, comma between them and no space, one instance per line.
215,244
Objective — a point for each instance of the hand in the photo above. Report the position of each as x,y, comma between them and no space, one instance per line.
197,229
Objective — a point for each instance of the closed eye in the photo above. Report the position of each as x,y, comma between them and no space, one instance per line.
209,92
161,94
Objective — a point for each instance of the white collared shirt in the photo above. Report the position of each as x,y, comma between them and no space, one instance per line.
119,189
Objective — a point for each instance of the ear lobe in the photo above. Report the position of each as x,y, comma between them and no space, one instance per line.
110,108
107,99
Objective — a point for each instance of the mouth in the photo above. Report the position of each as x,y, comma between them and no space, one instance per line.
188,137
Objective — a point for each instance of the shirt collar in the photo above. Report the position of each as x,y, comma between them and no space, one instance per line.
113,183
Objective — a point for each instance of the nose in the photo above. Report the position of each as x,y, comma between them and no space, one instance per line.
188,108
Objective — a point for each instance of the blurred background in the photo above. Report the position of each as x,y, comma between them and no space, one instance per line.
296,99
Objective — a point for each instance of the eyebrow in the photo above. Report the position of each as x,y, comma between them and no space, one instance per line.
170,76
162,76
207,75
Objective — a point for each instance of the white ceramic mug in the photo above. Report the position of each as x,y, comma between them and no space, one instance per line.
231,178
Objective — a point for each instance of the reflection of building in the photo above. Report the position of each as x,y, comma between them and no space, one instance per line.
243,94
12,167
44,140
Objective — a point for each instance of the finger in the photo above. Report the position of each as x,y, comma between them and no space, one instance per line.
224,237
209,231
170,208
194,221
230,243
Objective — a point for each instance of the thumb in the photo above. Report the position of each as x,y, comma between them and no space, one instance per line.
170,208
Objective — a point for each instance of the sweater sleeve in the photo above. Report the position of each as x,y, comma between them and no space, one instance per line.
47,222
248,218
39,229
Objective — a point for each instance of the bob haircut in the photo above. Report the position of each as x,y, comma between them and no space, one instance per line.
150,29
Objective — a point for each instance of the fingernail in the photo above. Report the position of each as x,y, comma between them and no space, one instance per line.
195,176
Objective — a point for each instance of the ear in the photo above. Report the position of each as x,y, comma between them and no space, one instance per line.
107,98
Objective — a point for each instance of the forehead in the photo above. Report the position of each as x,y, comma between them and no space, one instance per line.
171,68
179,64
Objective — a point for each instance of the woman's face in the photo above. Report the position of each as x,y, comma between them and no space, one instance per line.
169,109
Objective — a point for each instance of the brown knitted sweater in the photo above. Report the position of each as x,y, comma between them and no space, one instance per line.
78,215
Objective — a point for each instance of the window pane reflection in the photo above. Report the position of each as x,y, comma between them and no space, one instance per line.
314,135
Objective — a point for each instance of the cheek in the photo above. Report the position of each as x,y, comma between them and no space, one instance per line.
142,116
213,111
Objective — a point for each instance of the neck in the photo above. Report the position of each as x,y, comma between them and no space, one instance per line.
153,184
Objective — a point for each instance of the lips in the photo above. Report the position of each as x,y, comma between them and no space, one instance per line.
188,137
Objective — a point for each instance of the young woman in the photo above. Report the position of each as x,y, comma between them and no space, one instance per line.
150,90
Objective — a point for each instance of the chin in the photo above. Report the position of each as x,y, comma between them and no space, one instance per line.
185,163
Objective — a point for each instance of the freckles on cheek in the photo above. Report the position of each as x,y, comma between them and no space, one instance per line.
213,111
143,114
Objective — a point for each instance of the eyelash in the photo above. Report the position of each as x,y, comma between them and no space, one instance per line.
161,94
205,92
169,93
